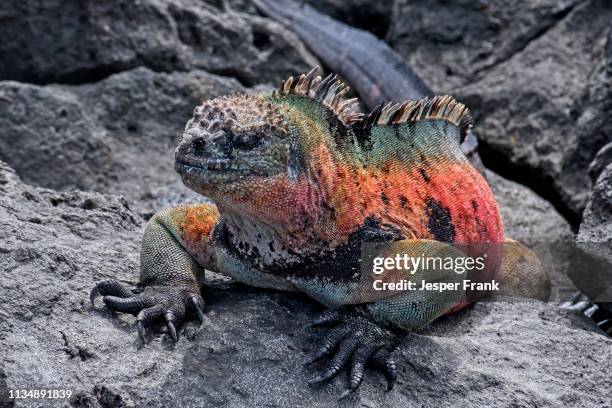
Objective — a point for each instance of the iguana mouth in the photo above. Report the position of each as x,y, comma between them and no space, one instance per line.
203,174
207,164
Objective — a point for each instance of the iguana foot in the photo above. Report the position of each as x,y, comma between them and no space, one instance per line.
358,338
579,303
170,303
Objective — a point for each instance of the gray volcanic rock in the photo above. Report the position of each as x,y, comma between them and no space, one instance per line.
537,78
248,352
117,135
593,266
601,160
597,223
527,217
451,43
79,41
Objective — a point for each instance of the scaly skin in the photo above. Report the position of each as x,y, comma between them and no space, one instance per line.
300,182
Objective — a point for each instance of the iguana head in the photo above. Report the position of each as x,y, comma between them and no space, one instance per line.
230,139
238,143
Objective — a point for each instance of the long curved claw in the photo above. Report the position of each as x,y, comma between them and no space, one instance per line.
357,369
109,287
605,325
384,359
362,355
141,332
196,304
345,351
170,323
391,374
578,302
331,340
145,317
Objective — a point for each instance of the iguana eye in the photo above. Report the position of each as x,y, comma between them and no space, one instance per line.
198,146
246,141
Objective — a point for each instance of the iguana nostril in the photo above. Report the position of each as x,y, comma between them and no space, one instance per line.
198,146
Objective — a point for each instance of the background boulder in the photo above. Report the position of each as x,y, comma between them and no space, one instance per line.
78,41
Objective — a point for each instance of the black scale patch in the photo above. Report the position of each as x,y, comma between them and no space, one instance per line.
439,221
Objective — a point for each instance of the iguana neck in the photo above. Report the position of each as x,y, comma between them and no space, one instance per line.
300,215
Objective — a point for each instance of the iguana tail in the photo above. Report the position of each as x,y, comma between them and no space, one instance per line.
356,55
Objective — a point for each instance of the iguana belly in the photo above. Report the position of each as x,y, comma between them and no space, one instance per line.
241,271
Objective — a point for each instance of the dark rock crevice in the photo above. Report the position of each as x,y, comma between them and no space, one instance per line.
79,77
371,16
542,184
233,73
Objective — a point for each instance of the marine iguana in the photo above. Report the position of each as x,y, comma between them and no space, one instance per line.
300,182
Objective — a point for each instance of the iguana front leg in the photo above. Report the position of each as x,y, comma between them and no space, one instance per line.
175,247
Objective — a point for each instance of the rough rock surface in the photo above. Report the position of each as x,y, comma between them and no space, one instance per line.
79,41
527,217
537,78
595,239
601,160
248,351
117,135
597,222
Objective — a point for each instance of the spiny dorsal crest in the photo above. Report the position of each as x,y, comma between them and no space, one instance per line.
330,91
441,107
239,113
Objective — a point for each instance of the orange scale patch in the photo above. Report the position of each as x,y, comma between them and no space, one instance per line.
198,222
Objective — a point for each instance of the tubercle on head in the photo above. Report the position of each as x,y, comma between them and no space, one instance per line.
240,112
